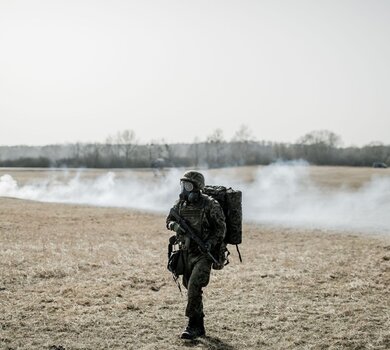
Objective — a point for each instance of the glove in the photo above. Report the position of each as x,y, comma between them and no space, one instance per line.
174,226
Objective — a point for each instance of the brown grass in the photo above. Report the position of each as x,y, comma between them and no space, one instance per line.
80,277
324,176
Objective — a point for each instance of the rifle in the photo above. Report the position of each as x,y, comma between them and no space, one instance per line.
188,230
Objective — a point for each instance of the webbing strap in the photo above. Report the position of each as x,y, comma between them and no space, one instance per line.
227,257
176,280
239,254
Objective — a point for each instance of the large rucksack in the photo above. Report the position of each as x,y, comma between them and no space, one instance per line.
231,202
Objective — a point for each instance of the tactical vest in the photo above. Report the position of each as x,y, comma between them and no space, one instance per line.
195,216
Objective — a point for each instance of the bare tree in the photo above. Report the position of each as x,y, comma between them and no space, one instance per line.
241,144
195,151
319,146
321,137
159,152
77,150
112,147
214,144
243,134
91,154
122,145
151,155
376,152
126,141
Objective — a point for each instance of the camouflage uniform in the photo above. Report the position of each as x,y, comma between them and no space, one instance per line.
207,219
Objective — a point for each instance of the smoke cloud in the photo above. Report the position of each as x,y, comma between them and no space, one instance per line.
280,194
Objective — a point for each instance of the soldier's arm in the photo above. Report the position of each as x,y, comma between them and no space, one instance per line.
170,217
218,223
171,224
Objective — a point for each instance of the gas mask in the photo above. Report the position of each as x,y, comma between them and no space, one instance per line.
188,192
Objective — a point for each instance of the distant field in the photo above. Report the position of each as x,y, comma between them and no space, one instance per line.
25,175
84,277
323,175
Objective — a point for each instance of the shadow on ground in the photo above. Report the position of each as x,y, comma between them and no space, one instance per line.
209,343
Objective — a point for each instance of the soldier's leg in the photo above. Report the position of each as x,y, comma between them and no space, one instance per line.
199,278
188,264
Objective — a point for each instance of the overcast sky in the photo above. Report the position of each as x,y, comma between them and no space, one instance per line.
82,70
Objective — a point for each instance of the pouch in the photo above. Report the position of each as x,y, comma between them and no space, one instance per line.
176,262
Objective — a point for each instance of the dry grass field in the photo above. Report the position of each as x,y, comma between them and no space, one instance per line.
83,277
328,176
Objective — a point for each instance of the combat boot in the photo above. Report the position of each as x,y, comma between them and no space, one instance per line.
202,331
194,329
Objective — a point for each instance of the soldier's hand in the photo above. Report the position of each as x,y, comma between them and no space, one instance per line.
174,226
171,225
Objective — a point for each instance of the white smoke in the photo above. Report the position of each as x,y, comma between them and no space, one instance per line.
280,194
109,190
286,195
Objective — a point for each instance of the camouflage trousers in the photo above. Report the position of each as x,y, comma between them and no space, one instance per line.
196,277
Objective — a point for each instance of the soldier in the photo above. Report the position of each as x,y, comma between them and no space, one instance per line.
205,216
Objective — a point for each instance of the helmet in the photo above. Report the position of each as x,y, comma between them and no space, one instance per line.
194,177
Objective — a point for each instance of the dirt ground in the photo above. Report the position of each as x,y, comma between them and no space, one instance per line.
94,278
81,277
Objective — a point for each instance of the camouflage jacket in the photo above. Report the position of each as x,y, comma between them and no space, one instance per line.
205,216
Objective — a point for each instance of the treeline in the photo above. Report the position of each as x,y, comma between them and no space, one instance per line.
123,151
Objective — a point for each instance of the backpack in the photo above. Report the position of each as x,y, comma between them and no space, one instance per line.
231,202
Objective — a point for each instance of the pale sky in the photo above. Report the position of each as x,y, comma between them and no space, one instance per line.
79,70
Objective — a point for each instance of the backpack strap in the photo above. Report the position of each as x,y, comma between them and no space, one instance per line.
239,254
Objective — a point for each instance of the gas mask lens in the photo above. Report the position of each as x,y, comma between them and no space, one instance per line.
187,186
